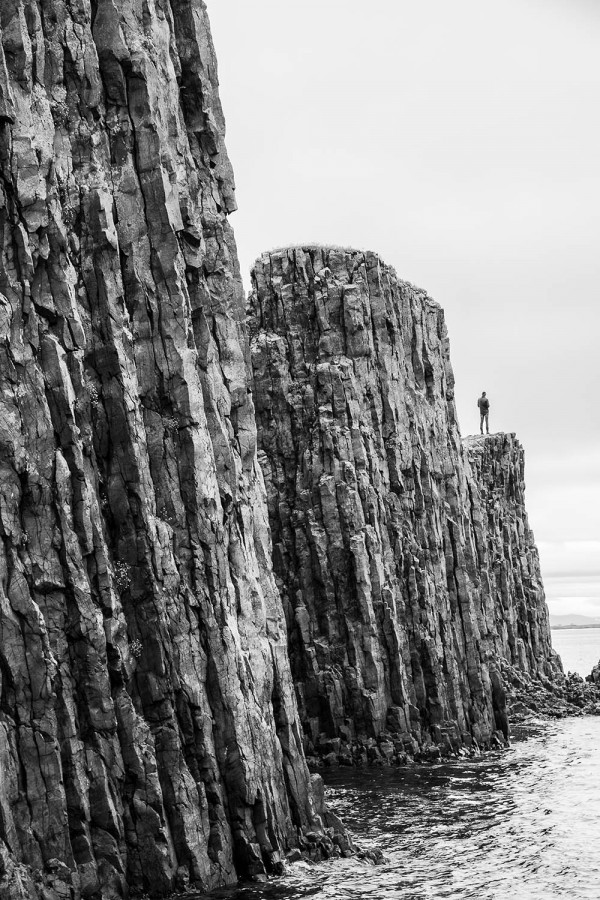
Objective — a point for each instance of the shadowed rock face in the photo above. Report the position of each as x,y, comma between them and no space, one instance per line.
389,563
148,728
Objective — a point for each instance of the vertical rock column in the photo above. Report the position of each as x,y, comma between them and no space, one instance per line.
148,728
369,503
511,579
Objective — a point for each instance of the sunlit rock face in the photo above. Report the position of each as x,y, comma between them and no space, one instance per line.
148,727
383,549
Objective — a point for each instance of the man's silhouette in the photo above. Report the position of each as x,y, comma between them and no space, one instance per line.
484,411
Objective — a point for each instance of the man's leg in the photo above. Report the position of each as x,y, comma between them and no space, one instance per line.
482,417
487,422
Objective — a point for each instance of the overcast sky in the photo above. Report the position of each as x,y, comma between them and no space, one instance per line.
461,141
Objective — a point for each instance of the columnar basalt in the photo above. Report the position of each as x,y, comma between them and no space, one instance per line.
510,564
368,500
380,546
148,728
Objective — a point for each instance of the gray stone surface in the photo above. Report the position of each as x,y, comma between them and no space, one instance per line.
148,728
511,577
404,585
149,731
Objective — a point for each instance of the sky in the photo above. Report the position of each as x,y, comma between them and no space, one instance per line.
461,141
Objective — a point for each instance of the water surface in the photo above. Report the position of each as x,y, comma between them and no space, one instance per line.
522,824
579,649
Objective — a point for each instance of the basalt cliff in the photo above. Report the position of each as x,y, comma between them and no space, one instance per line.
165,670
406,564
148,731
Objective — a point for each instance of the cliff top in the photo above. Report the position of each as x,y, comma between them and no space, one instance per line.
494,436
335,249
314,246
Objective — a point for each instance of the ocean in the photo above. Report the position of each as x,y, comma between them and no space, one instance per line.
579,649
523,824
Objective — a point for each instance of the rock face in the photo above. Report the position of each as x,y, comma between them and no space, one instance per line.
406,576
149,731
148,728
511,575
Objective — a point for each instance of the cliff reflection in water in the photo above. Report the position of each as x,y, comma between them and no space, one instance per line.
525,823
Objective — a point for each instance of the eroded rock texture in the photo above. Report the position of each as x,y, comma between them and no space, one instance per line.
148,729
509,558
381,542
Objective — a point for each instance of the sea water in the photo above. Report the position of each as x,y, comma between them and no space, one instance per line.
519,824
579,649
523,824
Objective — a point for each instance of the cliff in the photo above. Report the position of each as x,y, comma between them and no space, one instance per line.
409,576
150,733
509,559
148,728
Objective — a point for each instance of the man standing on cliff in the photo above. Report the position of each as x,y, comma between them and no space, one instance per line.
484,411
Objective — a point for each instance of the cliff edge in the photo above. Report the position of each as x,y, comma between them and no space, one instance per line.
509,559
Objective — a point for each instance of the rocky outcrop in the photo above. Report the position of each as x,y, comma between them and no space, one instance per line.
406,576
148,728
534,697
509,560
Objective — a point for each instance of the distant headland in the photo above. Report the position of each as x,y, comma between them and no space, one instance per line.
573,620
